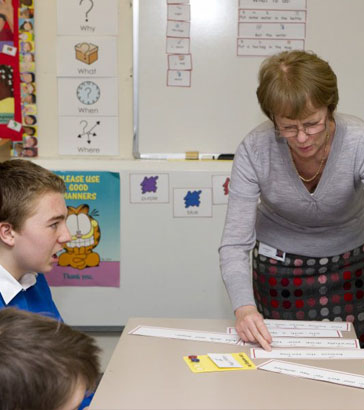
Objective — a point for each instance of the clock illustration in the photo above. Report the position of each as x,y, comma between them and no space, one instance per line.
88,92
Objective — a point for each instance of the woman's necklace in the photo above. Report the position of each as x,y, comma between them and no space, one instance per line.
320,166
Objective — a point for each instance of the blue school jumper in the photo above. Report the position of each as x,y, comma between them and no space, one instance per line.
38,299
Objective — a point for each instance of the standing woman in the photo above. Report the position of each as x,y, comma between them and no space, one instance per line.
297,200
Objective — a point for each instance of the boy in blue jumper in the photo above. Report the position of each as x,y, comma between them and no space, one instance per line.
32,230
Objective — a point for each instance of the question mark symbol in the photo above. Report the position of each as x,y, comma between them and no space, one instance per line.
88,91
91,7
84,128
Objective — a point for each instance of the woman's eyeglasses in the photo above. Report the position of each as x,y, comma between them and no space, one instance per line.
292,131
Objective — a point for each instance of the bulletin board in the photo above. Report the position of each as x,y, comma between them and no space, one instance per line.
219,107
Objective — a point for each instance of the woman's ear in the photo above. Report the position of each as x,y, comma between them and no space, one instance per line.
7,233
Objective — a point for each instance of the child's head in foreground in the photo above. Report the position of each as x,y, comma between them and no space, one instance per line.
44,364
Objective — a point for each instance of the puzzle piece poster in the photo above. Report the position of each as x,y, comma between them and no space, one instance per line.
92,258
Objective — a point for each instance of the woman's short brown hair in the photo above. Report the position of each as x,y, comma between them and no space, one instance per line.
293,81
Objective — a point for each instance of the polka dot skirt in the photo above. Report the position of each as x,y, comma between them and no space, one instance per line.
303,288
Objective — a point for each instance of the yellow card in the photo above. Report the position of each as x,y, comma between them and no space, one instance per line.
205,364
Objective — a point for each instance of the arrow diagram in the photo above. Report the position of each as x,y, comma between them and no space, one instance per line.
88,132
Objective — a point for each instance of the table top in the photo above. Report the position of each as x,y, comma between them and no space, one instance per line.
149,373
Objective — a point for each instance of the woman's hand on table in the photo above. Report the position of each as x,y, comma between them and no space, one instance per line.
251,328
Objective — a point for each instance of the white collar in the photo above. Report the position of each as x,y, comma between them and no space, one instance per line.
10,287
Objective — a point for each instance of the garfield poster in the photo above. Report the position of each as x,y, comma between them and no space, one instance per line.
92,257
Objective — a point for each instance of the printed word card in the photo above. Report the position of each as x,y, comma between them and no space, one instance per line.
306,324
307,354
197,336
314,373
336,343
291,332
302,324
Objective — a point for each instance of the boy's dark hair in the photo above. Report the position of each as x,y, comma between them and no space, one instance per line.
22,183
42,361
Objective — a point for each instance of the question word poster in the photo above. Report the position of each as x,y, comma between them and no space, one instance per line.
82,56
92,257
88,116
87,136
88,96
92,17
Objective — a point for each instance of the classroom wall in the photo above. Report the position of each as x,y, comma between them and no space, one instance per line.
169,265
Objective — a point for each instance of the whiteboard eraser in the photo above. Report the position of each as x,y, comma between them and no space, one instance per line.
192,155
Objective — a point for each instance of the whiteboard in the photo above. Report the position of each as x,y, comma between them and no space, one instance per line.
220,107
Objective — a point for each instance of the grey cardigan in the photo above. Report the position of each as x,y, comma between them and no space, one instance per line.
268,202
